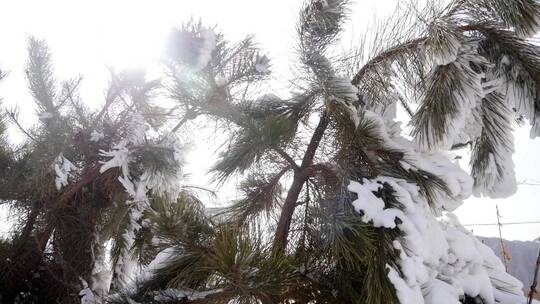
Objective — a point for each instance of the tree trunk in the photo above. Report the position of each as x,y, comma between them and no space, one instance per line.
284,224
300,177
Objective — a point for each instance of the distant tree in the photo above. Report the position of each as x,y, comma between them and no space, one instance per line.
78,180
335,204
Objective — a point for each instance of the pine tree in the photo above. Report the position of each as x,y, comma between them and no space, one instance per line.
336,205
79,180
452,59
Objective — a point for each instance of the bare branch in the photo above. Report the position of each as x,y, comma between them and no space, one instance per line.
13,117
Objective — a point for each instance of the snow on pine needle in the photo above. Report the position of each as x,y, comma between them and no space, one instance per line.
207,47
437,124
439,259
161,173
263,65
491,159
62,168
444,42
161,162
96,136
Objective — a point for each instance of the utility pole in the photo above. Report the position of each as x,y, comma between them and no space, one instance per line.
504,254
535,279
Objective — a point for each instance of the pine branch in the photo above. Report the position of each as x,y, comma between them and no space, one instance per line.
406,107
70,93
88,177
523,16
13,117
491,162
40,76
69,89
261,194
287,158
397,51
320,23
461,145
254,139
387,55
110,98
30,222
518,62
444,40
189,115
451,91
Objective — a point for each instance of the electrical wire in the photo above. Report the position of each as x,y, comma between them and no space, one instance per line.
504,224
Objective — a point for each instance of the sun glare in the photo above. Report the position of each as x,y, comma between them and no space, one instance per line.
131,38
128,35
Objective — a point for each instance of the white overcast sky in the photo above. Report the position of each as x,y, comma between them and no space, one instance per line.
87,37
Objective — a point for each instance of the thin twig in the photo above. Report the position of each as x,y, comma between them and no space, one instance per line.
187,116
16,122
406,107
287,157
70,89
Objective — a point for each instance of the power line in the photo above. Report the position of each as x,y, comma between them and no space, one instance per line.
529,182
504,224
